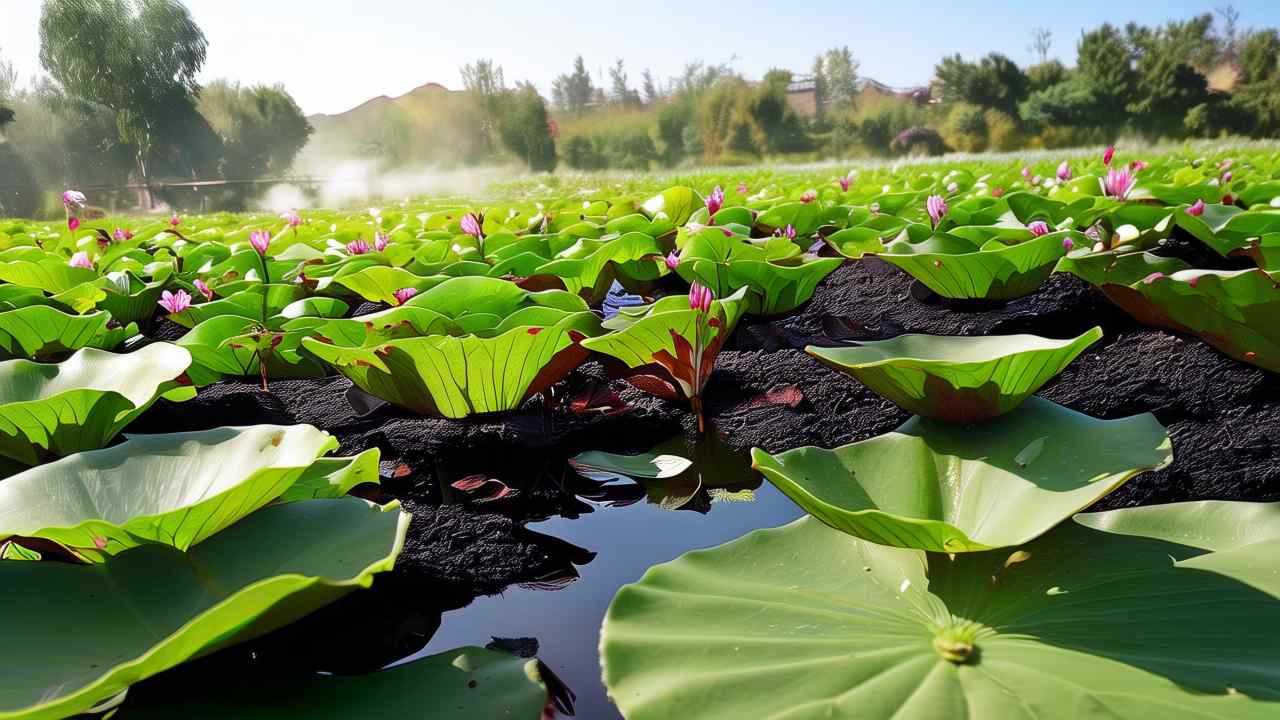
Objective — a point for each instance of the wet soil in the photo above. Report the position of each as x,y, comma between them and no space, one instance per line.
1222,415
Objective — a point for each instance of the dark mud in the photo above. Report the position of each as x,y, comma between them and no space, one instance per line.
766,392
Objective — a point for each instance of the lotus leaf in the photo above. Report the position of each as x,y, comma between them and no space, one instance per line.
956,268
40,331
81,403
176,489
87,632
947,488
1234,311
958,379
1111,615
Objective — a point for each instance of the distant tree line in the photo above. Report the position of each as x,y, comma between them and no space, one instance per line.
120,103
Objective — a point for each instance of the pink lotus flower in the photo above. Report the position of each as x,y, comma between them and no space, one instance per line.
1225,164
808,196
1118,183
700,298
1026,173
381,241
845,182
81,260
672,260
742,188
174,220
1226,177
403,295
1152,277
260,240
175,302
473,225
357,247
73,199
997,192
789,232
292,218
1064,171
715,201
121,235
203,288
73,223
1197,209
1067,244
1038,228
1228,199
1108,154
1137,165
937,207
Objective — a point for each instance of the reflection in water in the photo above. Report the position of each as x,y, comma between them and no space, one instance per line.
628,536
598,537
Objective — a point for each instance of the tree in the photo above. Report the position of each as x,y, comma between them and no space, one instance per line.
483,80
650,87
1041,43
526,131
819,86
1104,61
574,91
1045,75
1167,82
136,57
1229,38
621,94
839,79
994,82
262,128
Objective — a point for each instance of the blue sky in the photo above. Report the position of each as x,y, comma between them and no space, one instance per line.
334,54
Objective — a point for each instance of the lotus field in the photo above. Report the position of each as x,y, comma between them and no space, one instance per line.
956,375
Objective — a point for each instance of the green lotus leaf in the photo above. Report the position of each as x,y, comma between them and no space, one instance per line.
468,683
87,632
803,217
677,204
1081,623
177,489
958,379
460,376
650,331
855,242
234,346
128,298
81,403
458,298
726,264
956,268
948,488
41,331
379,283
589,267
1234,311
606,467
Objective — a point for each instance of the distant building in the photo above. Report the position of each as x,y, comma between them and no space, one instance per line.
802,95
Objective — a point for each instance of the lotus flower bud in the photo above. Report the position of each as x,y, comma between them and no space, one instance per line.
260,240
937,208
81,260
1196,209
1064,171
1038,228
700,297
203,288
715,201
403,295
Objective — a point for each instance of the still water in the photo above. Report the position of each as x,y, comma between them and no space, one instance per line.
627,540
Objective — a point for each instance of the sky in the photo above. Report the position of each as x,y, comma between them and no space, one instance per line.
332,55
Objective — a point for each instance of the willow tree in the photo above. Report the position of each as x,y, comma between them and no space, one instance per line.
139,58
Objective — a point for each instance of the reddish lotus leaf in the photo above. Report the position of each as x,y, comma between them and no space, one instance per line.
598,399
484,489
788,395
